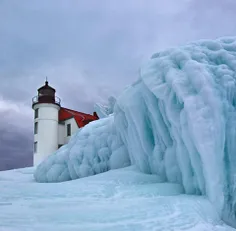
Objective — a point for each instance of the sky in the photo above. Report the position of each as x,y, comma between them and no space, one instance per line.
89,50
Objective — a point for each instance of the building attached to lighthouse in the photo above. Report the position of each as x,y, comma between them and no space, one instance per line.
53,124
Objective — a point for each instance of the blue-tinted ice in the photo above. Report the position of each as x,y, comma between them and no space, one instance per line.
178,121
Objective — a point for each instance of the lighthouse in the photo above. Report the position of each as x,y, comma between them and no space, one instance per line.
53,124
46,107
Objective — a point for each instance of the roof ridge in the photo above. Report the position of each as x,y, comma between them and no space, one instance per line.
76,111
80,117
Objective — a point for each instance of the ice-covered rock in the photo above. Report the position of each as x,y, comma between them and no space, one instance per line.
177,121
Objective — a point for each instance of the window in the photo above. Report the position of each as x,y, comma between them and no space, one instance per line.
60,145
68,129
36,113
36,128
35,147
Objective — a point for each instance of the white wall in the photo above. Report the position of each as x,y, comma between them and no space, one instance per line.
50,132
61,134
47,136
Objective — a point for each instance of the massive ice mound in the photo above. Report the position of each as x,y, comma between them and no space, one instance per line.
92,150
177,121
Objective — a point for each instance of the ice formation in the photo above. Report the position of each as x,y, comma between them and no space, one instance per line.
105,110
177,121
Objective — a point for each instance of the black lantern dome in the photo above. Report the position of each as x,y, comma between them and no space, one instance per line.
46,94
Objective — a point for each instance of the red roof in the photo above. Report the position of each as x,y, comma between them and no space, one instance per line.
81,118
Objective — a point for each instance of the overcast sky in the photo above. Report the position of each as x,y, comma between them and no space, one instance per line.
89,49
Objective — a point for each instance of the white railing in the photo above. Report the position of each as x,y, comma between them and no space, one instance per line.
35,100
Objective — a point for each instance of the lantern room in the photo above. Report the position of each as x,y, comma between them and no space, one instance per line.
46,94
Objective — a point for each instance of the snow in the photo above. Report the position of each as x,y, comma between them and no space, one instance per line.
177,121
123,200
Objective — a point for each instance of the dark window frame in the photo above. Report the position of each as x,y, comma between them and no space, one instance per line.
68,129
36,128
36,113
35,147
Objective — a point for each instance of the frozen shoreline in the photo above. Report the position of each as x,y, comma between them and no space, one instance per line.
123,199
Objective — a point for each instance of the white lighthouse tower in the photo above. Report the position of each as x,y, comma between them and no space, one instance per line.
46,107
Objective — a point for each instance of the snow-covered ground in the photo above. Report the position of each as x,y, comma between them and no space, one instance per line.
117,200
